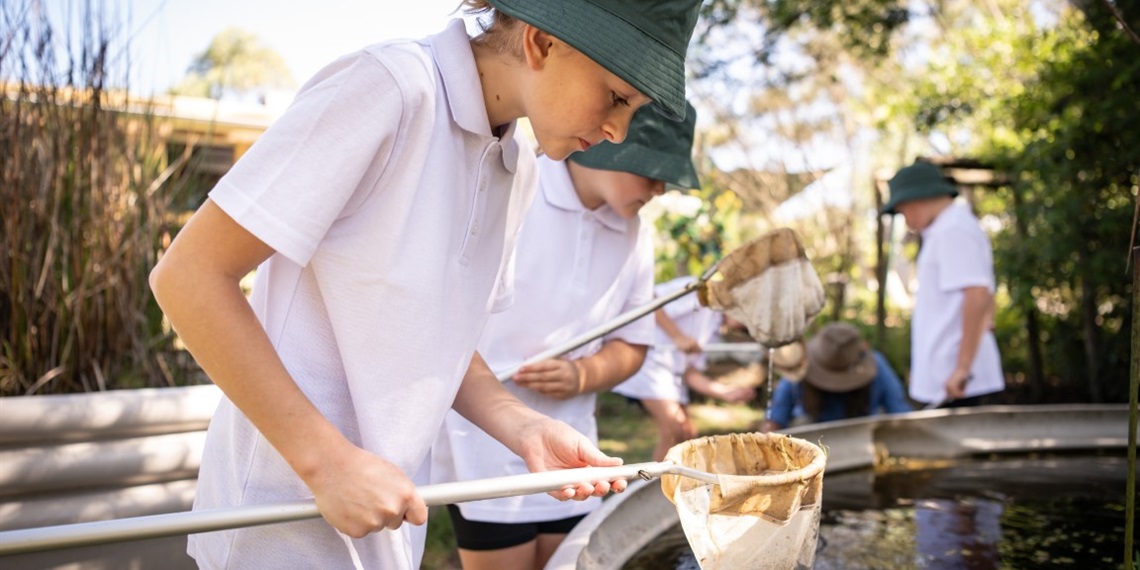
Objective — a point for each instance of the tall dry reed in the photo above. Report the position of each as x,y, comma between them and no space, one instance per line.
82,204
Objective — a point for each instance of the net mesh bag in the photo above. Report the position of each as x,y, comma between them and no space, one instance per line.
765,510
769,285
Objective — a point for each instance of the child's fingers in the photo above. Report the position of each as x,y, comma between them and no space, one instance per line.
555,382
601,488
533,373
534,381
542,367
417,514
533,376
586,490
593,456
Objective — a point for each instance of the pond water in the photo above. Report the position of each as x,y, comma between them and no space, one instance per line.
1007,512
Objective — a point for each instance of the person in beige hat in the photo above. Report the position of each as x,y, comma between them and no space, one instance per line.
836,376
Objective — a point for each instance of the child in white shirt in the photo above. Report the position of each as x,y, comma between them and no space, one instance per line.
380,211
583,258
954,357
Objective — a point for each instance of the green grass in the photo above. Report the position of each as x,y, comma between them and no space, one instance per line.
440,552
624,429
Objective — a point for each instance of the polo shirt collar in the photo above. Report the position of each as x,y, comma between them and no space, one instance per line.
558,189
451,50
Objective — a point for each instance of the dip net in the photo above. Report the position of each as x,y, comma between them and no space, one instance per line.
764,511
769,285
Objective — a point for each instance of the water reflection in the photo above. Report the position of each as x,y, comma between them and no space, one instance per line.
1023,512
951,535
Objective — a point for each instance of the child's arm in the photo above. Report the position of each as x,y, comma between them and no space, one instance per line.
197,285
545,444
563,379
682,341
702,384
977,304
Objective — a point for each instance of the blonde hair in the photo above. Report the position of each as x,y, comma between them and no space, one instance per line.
503,33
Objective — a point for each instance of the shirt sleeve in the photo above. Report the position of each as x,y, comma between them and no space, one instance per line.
318,158
892,400
964,259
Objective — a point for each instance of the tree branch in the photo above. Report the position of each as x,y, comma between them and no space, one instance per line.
1120,18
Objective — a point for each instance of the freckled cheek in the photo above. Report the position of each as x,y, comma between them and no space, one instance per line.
592,107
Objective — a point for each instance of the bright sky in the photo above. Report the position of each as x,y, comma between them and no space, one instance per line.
167,34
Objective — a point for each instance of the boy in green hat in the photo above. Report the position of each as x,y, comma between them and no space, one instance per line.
954,356
380,212
583,259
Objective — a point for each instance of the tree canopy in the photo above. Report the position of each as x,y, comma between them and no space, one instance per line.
235,63
1044,93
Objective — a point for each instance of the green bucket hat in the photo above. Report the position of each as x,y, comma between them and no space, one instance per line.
641,41
917,181
654,147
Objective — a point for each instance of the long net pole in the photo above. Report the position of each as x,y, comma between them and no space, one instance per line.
1133,396
612,325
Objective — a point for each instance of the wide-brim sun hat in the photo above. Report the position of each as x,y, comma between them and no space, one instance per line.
919,180
839,360
641,41
654,147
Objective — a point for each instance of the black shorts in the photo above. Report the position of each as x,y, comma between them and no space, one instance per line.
475,535
963,402
636,402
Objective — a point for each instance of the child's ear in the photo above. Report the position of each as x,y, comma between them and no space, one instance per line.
537,46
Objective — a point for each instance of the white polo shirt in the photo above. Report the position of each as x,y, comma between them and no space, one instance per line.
392,210
660,378
955,254
577,269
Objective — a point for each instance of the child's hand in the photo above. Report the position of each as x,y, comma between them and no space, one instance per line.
556,378
956,383
732,394
551,444
359,493
708,387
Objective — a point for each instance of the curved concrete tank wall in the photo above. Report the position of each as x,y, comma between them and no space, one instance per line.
88,457
626,523
81,458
